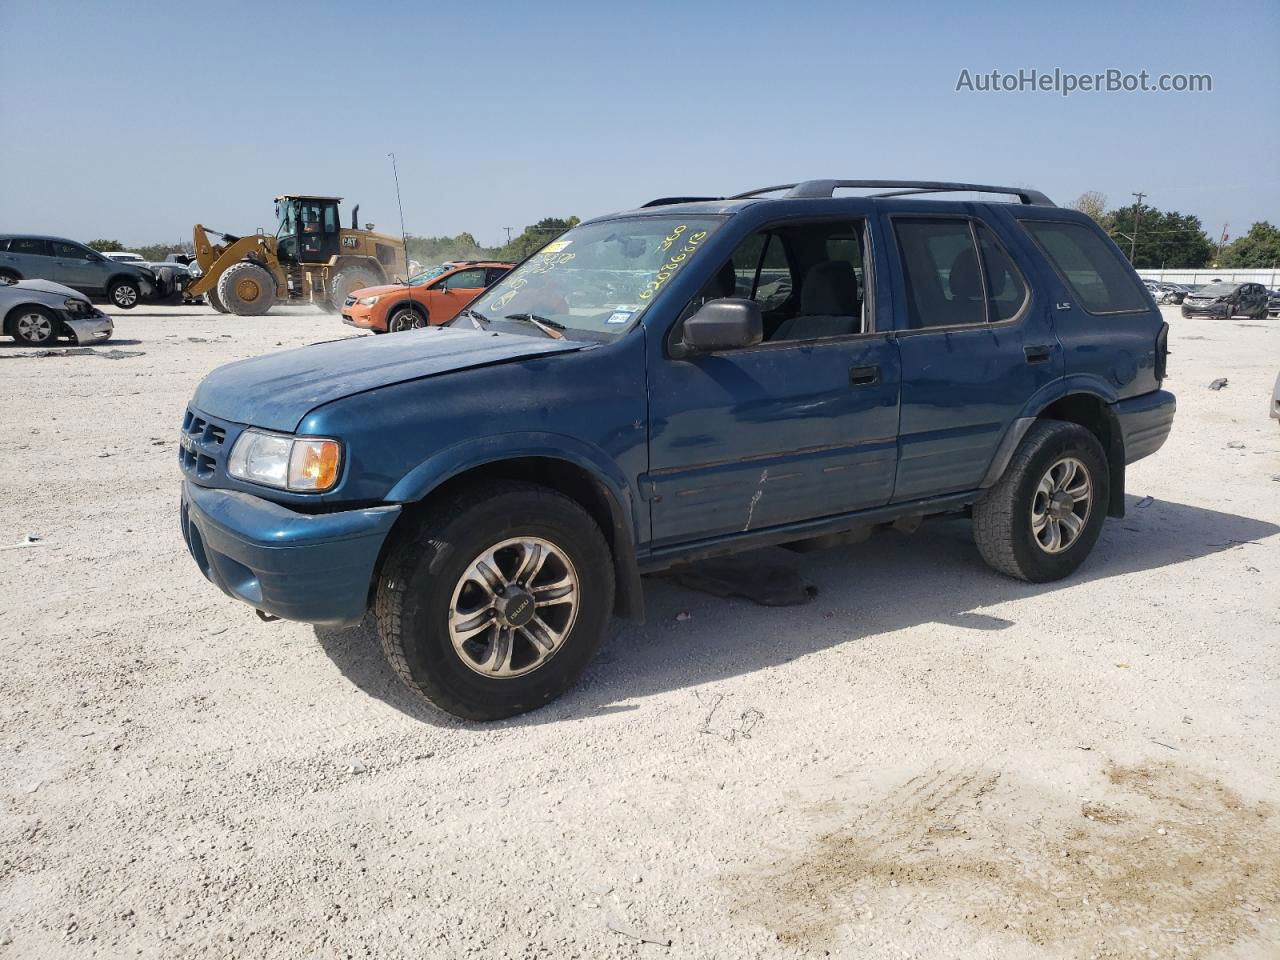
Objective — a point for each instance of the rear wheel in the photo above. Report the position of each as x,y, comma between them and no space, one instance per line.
247,289
8,276
1042,518
124,294
347,280
34,326
405,318
495,601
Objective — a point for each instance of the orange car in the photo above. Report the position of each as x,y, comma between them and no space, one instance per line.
432,297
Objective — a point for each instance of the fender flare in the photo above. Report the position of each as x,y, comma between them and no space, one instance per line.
453,461
1082,385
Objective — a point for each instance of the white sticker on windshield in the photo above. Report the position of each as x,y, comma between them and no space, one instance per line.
555,247
620,316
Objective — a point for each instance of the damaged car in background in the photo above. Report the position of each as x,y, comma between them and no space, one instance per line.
37,312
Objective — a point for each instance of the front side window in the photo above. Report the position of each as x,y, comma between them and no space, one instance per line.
69,251
472,279
1099,278
808,278
598,278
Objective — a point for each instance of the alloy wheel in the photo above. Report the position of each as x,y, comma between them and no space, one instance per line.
1061,505
513,607
35,327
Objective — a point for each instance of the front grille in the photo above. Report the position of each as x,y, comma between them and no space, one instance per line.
200,446
349,302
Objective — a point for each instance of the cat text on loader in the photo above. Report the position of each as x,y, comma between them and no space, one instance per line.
310,259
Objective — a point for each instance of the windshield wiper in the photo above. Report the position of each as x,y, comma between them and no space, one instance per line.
550,327
478,319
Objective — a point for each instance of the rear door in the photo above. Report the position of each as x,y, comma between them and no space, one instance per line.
977,344
799,427
32,257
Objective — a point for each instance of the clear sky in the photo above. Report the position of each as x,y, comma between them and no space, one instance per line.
135,120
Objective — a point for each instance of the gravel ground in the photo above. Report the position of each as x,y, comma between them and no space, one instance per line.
928,760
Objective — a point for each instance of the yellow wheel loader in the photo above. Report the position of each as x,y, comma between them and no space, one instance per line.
310,259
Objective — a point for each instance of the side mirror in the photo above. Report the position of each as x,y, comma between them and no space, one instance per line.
722,325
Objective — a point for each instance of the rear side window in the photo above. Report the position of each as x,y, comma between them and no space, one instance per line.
941,272
1099,278
31,246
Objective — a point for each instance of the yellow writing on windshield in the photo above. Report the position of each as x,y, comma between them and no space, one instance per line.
544,262
675,261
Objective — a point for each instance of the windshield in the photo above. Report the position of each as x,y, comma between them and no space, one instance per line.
597,278
429,274
1218,289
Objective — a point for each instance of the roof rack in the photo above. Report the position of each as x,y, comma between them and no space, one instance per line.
663,201
895,188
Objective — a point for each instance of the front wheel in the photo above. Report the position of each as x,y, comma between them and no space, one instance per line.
405,318
124,294
35,327
493,603
1042,518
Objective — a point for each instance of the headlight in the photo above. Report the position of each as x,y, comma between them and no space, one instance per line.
368,301
299,464
75,305
193,268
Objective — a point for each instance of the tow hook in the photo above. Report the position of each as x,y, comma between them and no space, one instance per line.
266,617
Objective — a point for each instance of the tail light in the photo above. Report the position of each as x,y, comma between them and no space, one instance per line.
1162,351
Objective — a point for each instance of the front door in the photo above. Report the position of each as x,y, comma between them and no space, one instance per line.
453,292
801,426
318,231
976,346
79,267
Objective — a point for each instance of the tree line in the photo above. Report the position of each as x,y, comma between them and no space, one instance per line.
1168,239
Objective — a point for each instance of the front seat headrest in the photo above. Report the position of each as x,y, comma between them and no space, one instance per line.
830,289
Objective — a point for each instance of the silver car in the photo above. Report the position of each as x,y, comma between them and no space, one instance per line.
37,312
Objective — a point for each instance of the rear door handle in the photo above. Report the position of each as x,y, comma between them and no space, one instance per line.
864,376
1037,354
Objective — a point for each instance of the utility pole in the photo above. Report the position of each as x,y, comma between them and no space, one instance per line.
508,229
1137,218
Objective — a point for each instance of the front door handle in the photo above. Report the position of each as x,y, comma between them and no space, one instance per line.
1037,354
864,376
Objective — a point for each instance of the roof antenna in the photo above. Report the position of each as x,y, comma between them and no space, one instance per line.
403,236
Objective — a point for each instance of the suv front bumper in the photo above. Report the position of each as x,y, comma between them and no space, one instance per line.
316,568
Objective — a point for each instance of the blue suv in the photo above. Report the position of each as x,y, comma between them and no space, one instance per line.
696,377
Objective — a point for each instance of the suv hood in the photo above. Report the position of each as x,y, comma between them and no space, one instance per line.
379,290
277,390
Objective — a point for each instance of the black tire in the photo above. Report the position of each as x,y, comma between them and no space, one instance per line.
247,289
34,326
428,560
124,294
212,296
1002,519
345,281
405,317
8,276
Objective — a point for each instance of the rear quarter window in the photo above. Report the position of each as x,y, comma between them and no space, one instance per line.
1099,278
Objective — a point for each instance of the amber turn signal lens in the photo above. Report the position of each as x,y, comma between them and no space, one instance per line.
314,464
